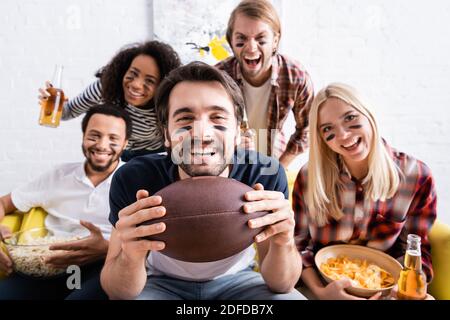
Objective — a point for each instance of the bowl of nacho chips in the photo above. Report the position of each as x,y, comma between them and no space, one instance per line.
369,270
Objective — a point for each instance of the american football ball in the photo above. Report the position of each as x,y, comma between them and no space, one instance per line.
204,219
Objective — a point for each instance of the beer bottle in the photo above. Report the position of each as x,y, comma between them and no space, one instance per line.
249,134
412,283
52,107
246,131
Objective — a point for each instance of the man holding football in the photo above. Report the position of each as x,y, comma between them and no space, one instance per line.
199,111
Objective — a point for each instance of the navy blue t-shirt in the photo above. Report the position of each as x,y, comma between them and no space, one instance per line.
153,172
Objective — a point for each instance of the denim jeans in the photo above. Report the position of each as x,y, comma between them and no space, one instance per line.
17,287
244,285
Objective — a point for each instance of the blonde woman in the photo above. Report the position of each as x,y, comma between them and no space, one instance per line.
357,189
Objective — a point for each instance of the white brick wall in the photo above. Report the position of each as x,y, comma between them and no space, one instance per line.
396,52
34,35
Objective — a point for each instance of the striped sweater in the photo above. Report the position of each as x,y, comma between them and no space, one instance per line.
145,134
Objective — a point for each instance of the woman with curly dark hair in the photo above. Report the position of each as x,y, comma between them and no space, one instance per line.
129,81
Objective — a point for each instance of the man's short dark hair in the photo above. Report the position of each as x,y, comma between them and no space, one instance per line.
196,71
109,110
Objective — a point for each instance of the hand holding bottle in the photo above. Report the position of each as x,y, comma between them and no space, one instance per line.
43,93
52,100
412,282
248,136
394,295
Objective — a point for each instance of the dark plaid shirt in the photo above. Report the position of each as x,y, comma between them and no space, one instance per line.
292,89
376,224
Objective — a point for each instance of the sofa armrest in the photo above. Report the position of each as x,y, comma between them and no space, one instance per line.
440,254
13,221
35,218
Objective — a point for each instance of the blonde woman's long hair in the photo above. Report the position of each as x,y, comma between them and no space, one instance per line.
324,183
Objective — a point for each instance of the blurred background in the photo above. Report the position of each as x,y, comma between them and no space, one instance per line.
394,52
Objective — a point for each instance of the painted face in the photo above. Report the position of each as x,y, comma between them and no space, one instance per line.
202,128
346,131
141,80
253,43
104,141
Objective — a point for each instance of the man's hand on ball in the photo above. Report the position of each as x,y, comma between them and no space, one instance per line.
279,225
132,232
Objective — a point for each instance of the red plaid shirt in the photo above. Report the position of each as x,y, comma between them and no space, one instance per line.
380,225
292,89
